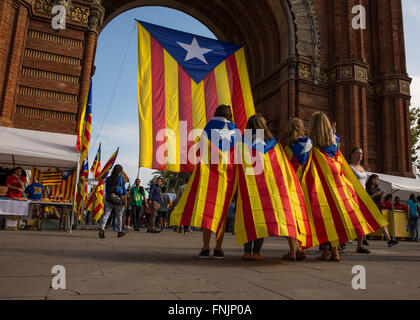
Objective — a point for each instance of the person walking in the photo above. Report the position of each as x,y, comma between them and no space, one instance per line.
413,217
115,198
154,203
163,210
137,196
372,188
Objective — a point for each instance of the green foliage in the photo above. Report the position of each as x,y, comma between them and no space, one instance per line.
171,180
415,134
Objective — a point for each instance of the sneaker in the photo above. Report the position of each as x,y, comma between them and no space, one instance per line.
186,232
392,243
218,254
121,234
362,250
101,234
204,254
365,243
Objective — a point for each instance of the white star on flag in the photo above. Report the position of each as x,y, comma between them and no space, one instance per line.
194,51
225,133
307,146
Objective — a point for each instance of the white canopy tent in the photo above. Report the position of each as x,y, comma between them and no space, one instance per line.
28,148
398,186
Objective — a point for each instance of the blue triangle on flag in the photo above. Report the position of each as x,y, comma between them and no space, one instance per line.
197,55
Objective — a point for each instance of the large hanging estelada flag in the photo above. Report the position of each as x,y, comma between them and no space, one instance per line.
51,177
206,199
270,200
183,78
339,209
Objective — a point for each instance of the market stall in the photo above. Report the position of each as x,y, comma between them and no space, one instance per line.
46,151
401,187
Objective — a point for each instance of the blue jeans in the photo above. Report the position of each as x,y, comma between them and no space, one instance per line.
414,226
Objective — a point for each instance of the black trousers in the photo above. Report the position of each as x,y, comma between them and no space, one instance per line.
136,213
257,246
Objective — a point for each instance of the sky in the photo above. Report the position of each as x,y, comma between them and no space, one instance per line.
115,111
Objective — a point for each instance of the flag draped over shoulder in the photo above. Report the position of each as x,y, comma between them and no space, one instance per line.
339,209
206,199
270,199
182,80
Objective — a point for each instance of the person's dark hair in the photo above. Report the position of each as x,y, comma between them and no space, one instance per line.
397,198
418,198
115,175
163,190
355,149
137,180
223,111
387,197
369,180
256,122
412,196
159,178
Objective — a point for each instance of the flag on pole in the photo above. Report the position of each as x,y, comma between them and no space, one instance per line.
125,177
83,137
206,199
183,78
108,166
96,166
270,200
339,208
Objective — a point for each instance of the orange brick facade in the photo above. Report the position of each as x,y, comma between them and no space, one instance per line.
303,56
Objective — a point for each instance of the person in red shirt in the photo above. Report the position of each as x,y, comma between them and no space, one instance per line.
398,205
15,183
387,204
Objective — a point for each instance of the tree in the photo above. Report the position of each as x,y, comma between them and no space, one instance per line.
171,180
415,135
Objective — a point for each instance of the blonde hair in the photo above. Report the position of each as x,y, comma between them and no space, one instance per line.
320,130
257,121
294,131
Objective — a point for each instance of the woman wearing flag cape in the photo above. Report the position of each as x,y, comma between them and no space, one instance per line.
270,199
210,190
338,207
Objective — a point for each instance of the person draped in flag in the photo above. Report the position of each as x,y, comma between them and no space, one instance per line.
115,197
269,194
297,148
210,190
338,207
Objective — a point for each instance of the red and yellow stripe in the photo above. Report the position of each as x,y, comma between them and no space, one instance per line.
270,202
208,194
66,188
339,209
168,95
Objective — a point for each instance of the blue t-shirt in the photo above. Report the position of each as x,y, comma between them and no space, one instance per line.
34,191
412,207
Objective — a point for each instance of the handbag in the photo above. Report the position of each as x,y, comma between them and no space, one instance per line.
115,198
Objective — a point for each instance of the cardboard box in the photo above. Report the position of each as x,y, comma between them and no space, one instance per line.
11,223
3,191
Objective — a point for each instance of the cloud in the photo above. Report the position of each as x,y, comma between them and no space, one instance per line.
415,91
412,7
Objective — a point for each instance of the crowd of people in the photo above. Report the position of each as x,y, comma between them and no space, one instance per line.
301,153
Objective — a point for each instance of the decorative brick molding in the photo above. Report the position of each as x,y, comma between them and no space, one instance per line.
42,74
76,14
45,114
47,94
52,57
54,38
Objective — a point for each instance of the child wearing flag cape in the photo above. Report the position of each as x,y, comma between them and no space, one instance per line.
339,209
269,197
205,201
297,148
